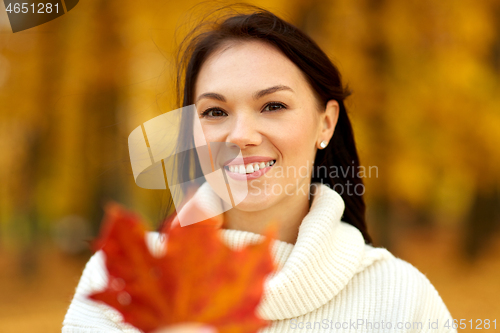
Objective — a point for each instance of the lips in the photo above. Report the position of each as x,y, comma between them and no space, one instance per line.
248,167
248,160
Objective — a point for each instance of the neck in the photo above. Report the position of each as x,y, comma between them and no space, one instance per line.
288,212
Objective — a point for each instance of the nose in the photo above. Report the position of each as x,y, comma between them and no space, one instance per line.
244,131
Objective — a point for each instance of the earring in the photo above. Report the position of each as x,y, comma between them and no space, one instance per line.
323,144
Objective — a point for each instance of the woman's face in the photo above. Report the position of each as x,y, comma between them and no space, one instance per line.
251,96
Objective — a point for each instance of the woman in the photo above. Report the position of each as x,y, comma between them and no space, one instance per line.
265,88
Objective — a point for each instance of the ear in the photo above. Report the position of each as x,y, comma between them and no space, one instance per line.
328,121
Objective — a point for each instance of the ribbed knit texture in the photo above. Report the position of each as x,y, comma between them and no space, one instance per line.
330,280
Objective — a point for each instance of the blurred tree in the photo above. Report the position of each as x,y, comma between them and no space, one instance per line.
425,77
104,94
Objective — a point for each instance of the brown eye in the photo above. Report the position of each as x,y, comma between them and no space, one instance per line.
213,113
274,107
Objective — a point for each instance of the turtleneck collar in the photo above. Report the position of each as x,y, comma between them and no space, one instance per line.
326,255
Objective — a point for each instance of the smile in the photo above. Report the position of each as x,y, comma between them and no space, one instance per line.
248,168
248,171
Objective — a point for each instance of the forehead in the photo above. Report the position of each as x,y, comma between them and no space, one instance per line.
248,65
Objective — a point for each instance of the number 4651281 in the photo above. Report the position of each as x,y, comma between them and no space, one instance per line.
481,324
39,8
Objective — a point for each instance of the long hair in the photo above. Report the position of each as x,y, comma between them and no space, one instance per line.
322,75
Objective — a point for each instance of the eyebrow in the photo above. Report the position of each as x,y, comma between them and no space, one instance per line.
256,95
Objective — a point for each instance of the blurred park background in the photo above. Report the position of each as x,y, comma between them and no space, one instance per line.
425,77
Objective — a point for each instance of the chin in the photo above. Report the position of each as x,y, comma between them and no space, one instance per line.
254,202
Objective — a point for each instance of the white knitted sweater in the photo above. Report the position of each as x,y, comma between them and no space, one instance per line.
330,280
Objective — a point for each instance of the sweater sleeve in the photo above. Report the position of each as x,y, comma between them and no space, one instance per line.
87,316
432,312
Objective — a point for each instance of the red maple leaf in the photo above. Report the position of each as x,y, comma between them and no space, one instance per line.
197,279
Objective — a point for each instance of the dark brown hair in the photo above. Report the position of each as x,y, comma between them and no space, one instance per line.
322,75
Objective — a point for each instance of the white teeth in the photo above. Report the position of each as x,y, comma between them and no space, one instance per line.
249,168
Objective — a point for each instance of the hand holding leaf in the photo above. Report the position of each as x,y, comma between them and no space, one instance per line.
198,279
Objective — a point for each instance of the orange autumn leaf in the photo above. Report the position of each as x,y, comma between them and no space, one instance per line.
197,279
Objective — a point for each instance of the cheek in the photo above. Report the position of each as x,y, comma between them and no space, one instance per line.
198,135
296,141
208,133
199,139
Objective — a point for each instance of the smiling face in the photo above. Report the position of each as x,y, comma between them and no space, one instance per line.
250,95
